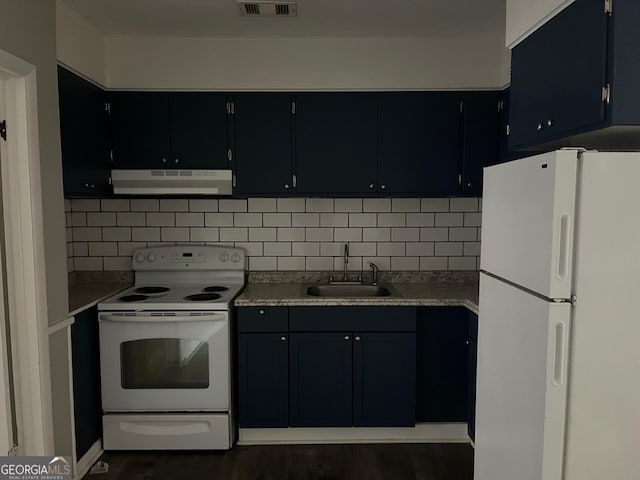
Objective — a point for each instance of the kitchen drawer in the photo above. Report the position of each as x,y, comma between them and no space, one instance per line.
352,319
263,319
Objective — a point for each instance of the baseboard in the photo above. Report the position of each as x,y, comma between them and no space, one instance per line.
421,433
88,459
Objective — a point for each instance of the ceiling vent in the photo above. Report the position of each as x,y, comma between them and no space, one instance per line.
268,9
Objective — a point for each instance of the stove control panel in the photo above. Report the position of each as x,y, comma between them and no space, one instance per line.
188,257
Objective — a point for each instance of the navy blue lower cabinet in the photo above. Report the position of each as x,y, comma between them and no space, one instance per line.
384,379
473,364
263,371
87,397
321,380
442,364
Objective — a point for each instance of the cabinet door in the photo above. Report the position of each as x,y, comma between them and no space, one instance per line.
442,364
140,130
420,138
321,376
336,142
473,363
558,73
198,124
263,371
480,142
384,376
263,139
83,134
87,404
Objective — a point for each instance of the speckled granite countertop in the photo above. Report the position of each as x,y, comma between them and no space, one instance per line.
425,294
88,288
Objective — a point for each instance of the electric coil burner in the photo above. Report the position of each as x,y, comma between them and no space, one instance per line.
165,351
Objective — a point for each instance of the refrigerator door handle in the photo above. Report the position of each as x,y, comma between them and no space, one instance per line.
564,243
560,353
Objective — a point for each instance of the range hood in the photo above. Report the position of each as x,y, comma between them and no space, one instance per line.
172,182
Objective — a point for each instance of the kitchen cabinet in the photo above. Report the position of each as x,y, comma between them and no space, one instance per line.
87,402
473,364
574,80
336,148
263,161
169,130
263,367
83,134
442,364
420,142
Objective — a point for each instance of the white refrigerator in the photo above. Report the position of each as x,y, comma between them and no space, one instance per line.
558,382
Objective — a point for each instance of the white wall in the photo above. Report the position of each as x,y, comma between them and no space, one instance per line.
28,31
467,61
80,45
525,16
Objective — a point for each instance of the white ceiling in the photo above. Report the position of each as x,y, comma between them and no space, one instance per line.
333,18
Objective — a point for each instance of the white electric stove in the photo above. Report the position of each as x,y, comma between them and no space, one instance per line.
165,350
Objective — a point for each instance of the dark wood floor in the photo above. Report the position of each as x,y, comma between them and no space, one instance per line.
281,462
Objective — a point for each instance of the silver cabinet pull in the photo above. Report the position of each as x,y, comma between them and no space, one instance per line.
371,185
286,185
357,339
177,160
283,339
346,337
295,181
383,187
261,312
540,126
164,160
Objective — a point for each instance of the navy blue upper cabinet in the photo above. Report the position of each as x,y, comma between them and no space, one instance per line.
336,142
263,143
83,134
384,377
169,130
577,75
480,138
420,143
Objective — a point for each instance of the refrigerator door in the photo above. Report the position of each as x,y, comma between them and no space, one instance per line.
521,384
527,222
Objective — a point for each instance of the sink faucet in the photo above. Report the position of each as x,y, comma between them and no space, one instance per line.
346,261
374,273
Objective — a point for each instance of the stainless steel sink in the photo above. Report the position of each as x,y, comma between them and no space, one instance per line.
351,291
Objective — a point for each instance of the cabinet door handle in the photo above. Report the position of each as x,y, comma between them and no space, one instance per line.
371,185
286,185
550,122
346,337
177,160
164,160
283,339
540,126
383,186
467,342
261,312
357,338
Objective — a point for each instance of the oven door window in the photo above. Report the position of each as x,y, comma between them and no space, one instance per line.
161,363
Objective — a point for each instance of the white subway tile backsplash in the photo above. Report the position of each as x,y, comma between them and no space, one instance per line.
334,219
161,219
282,233
145,234
277,249
172,234
377,205
392,220
247,219
127,219
305,249
174,205
319,205
203,205
405,234
463,205
145,205
276,219
232,205
262,205
290,205
236,234
207,234
305,219
218,219
449,220
354,267
101,219
363,220
348,205
115,205
260,235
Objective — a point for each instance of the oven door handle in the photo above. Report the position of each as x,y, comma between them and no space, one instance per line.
145,317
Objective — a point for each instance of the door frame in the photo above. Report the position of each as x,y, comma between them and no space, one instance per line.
26,280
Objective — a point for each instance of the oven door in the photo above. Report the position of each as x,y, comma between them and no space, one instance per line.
152,361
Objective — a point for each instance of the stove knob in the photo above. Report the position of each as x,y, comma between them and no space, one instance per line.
151,257
235,258
140,257
224,257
